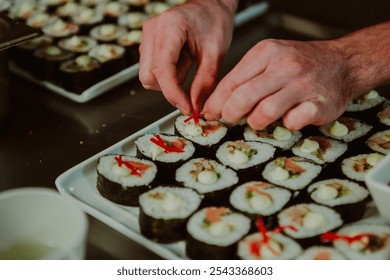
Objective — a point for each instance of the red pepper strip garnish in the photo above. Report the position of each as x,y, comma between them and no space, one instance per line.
331,236
194,116
133,169
168,149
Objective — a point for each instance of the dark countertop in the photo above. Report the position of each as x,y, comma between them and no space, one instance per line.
46,134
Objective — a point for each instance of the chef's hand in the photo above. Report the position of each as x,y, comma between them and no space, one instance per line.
195,32
302,82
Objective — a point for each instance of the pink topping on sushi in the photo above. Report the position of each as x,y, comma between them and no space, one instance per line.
257,189
174,147
214,214
292,166
322,255
136,168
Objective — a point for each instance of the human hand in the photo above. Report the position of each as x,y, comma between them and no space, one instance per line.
197,31
302,82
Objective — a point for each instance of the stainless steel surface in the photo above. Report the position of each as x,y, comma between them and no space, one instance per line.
45,134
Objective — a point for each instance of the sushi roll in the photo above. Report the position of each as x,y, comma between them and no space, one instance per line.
155,8
121,178
111,57
321,252
40,19
206,135
167,151
78,44
4,6
319,149
245,157
107,33
349,199
293,173
53,5
384,115
164,212
309,221
80,73
345,129
22,10
113,10
131,41
275,134
356,167
93,3
59,29
365,101
68,10
209,178
132,20
268,246
214,232
380,142
87,18
260,199
362,241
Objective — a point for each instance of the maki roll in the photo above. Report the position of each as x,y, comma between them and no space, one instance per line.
321,253
362,241
40,19
131,41
22,10
384,115
4,6
345,129
380,142
77,43
348,198
155,8
60,29
107,33
245,157
209,178
356,167
80,73
87,18
309,221
164,212
275,134
206,135
365,101
121,178
319,149
293,173
111,57
260,199
132,20
68,10
214,232
53,5
168,152
113,10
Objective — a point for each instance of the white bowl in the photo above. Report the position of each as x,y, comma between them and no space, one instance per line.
378,182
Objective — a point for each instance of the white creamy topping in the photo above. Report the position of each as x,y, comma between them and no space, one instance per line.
207,177
83,61
86,15
193,130
276,247
155,150
134,36
374,159
59,26
219,229
113,8
260,202
279,174
75,41
282,134
105,52
107,30
237,157
172,202
338,129
371,94
309,146
68,8
53,51
121,171
313,221
326,192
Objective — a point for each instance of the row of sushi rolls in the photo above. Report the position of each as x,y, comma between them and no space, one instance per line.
84,41
230,192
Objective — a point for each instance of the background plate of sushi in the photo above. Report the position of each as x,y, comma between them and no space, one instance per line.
317,174
89,47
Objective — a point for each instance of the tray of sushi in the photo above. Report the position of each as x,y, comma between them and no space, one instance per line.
187,188
89,46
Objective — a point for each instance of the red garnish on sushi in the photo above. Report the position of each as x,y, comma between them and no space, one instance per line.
363,238
214,214
194,116
176,147
136,168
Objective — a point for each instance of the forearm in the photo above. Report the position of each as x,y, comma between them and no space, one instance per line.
366,54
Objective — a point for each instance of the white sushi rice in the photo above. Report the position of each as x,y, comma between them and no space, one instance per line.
355,249
369,100
264,152
384,115
227,177
237,224
239,200
251,135
318,219
212,138
349,169
380,142
352,192
169,202
293,183
290,249
144,144
360,130
107,164
336,149
321,253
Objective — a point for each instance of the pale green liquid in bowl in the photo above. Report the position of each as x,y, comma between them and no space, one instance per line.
26,250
